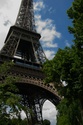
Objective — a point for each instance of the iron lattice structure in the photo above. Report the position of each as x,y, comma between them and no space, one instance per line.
25,18
23,47
15,43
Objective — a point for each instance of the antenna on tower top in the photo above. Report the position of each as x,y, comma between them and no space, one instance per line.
25,18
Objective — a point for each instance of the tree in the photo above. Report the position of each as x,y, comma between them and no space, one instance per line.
76,14
62,68
46,122
10,100
67,66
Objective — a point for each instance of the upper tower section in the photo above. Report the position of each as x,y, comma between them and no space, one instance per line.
25,18
22,41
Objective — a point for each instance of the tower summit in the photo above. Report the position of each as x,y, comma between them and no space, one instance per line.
23,47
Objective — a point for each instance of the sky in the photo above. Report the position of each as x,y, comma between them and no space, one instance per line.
51,22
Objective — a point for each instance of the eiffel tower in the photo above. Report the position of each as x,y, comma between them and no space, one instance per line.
23,47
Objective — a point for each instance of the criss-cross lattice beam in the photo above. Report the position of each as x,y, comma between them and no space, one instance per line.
25,18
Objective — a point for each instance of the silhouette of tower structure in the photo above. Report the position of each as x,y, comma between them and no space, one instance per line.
23,47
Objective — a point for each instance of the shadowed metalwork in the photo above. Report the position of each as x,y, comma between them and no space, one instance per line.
25,18
22,46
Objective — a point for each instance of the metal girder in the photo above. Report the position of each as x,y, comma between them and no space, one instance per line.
25,18
24,44
23,41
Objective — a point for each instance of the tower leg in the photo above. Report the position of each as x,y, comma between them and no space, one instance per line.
33,110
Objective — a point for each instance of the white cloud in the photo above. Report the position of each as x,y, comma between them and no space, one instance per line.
2,38
67,43
4,29
4,3
48,31
23,115
10,10
49,54
50,45
45,27
8,14
38,5
49,112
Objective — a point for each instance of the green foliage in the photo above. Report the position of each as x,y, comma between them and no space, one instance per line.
13,121
4,68
76,14
69,113
67,65
46,122
10,100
